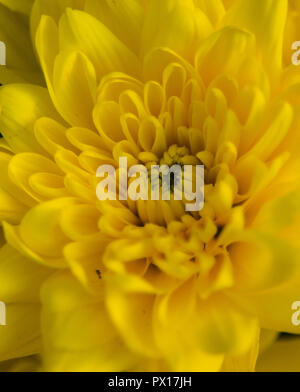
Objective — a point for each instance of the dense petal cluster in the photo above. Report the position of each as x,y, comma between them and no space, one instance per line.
144,285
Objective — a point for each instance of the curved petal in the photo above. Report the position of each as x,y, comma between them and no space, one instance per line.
123,18
132,315
20,106
53,9
272,280
80,31
243,363
209,329
214,9
75,85
21,336
78,334
266,19
185,29
224,53
20,278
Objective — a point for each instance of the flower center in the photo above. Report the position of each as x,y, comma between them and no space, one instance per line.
174,119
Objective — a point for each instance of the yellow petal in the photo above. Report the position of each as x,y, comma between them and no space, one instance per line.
20,58
13,238
25,165
21,336
51,135
262,262
214,9
19,6
187,26
80,222
81,31
78,334
274,307
243,363
215,325
266,19
84,258
267,339
20,278
47,46
177,333
123,18
11,188
11,210
40,228
224,53
281,120
156,61
132,315
74,84
273,303
283,356
20,106
53,9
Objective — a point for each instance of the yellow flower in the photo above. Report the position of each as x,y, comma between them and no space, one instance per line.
125,285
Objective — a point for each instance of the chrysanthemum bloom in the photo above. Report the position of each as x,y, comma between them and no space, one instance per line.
124,285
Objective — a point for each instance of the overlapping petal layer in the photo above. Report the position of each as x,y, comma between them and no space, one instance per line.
144,285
